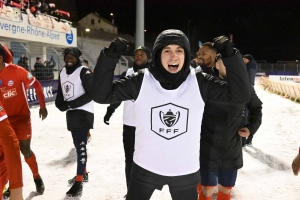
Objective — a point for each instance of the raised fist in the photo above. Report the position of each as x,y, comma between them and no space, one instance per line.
223,45
117,47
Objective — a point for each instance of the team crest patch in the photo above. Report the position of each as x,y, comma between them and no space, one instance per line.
0,82
1,108
29,76
10,83
68,90
169,120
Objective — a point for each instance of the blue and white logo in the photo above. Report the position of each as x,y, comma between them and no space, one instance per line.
69,38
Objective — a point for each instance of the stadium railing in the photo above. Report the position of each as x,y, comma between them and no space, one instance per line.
286,90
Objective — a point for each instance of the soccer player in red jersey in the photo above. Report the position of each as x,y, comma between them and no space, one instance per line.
14,83
10,164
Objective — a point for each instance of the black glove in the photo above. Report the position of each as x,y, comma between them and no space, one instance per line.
223,45
117,47
108,114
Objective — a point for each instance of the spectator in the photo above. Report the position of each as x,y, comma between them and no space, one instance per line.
49,68
252,67
39,69
23,62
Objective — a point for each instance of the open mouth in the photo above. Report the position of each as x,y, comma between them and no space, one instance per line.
173,67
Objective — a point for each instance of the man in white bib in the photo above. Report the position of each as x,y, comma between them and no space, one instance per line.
142,57
74,96
169,102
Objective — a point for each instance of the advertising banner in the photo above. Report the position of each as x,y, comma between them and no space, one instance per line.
50,92
287,79
39,28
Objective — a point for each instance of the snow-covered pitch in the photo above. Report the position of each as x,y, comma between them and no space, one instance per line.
266,174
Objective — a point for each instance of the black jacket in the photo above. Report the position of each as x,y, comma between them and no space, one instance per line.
114,106
49,67
237,91
220,144
77,119
252,68
40,71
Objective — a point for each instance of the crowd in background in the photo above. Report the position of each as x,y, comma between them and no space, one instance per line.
38,7
41,70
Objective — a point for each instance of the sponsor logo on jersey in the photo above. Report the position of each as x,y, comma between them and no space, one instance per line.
9,93
10,83
169,120
29,76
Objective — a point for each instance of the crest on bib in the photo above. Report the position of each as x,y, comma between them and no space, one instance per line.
169,120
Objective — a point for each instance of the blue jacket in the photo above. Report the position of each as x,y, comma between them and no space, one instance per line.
252,68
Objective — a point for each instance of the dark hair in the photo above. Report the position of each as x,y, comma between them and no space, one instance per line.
2,52
210,46
11,52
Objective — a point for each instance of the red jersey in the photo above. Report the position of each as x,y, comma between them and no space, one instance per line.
14,83
3,114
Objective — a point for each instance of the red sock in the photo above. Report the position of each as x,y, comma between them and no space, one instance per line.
79,178
222,196
33,166
202,197
199,188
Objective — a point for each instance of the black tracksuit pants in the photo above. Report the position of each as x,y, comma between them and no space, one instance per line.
144,182
80,140
128,142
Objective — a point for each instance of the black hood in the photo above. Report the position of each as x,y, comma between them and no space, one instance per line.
166,79
76,53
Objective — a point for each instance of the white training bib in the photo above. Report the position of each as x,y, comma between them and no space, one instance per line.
128,112
72,88
168,127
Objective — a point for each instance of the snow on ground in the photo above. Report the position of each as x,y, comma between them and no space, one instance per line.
266,173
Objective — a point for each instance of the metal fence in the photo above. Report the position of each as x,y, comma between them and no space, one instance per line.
280,66
26,54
